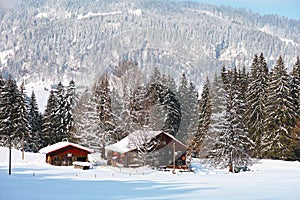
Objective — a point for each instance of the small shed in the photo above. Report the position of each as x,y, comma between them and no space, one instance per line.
65,153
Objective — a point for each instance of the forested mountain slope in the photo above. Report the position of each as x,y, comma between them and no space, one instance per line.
71,39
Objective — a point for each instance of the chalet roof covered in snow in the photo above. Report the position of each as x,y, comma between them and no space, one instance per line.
61,145
126,144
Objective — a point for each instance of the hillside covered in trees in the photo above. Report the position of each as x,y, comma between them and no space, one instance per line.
51,40
239,115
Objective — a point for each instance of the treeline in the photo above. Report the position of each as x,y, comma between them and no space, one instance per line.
240,114
22,125
118,103
126,101
244,115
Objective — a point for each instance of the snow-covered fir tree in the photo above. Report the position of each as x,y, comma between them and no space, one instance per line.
102,96
70,103
61,113
50,130
172,107
9,113
256,101
231,145
295,86
21,122
281,116
203,119
2,116
194,109
218,108
183,94
89,131
35,125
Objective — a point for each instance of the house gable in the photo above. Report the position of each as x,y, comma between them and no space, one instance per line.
162,153
65,153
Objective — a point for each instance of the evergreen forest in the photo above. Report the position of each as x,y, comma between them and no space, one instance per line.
238,115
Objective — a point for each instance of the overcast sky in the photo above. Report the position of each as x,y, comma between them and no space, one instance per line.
287,8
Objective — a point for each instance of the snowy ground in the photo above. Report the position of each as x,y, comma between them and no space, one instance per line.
34,179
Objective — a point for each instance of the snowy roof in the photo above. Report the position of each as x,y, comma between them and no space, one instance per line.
61,145
126,144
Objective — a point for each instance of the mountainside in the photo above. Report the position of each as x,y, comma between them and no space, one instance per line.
53,40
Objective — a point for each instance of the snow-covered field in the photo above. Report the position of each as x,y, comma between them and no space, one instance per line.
34,179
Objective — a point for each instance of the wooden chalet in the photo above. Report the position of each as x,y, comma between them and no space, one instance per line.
161,153
65,153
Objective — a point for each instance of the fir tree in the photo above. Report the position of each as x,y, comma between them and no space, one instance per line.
203,118
70,103
232,144
2,114
50,131
21,122
183,94
194,109
35,125
61,113
88,125
172,107
277,141
256,101
9,116
295,86
107,121
217,119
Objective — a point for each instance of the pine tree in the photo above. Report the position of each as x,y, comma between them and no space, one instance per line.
295,86
277,141
217,119
61,113
35,125
50,131
88,126
139,106
243,145
2,114
193,127
203,118
256,101
70,103
122,114
231,144
21,122
102,97
194,109
172,109
183,94
9,116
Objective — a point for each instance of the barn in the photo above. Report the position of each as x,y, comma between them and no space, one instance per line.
154,148
65,153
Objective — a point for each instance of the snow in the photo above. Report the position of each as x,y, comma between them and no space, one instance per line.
91,14
289,41
61,145
4,55
268,29
137,12
41,90
232,52
125,145
85,164
42,15
33,179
